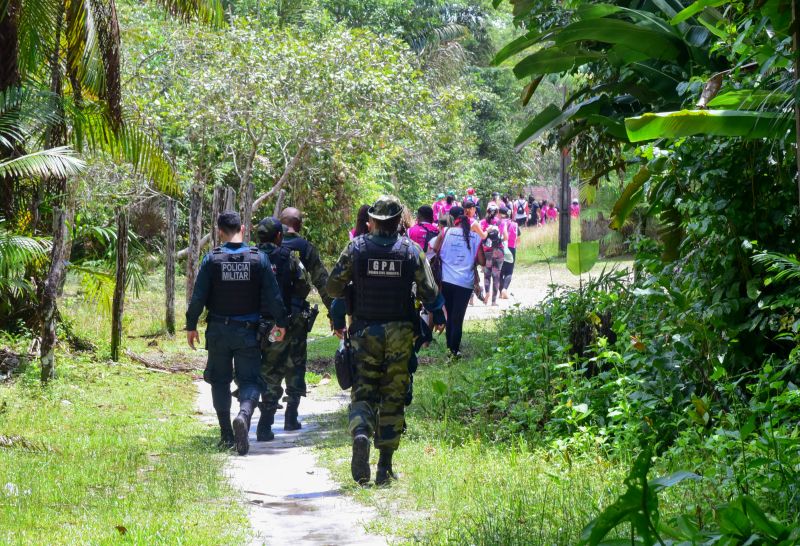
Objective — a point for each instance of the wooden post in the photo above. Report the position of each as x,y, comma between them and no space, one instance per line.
246,206
796,55
230,199
50,295
195,234
279,204
564,223
216,208
169,273
121,278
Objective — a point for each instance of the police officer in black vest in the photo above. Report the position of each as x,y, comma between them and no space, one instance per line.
301,322
237,285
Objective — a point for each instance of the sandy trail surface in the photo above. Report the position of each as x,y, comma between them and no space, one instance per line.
291,499
529,286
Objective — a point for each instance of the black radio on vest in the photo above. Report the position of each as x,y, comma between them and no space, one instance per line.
382,280
235,277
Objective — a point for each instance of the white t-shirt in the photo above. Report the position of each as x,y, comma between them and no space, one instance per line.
457,259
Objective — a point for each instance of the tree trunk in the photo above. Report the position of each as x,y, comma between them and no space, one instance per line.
118,306
290,167
216,209
50,295
246,191
796,54
230,200
279,204
564,226
195,234
169,273
9,45
9,77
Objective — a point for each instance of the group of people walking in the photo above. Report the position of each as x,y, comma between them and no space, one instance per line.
259,317
399,280
258,322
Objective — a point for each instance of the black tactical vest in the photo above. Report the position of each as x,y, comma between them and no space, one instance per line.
382,279
281,260
297,244
235,283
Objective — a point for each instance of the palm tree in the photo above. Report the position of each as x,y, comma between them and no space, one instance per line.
60,90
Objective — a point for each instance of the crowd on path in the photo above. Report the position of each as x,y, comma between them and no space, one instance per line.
398,281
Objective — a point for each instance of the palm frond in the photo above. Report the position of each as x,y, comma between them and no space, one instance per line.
57,162
93,131
781,266
84,58
37,19
17,253
205,11
24,112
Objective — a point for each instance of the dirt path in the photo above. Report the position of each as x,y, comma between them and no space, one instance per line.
291,499
529,285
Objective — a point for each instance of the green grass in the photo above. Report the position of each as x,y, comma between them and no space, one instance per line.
459,487
112,454
114,444
540,244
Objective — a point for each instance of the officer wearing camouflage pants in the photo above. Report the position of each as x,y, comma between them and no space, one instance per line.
382,267
301,322
294,286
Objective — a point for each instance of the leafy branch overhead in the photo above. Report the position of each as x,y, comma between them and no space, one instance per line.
635,73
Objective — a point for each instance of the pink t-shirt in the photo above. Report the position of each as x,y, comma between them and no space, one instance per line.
437,207
575,211
417,232
511,230
446,208
552,212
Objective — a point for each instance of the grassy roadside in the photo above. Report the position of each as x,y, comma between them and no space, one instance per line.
113,453
459,487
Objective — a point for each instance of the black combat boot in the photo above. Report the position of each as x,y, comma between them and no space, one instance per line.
290,421
225,431
264,428
385,473
359,464
241,426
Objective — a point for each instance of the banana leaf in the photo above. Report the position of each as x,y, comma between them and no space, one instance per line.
551,117
656,43
728,123
553,60
696,8
631,196
748,98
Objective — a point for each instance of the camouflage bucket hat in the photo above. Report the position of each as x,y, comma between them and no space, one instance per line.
268,229
385,208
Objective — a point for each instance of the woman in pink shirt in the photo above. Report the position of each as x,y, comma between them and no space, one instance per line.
510,231
438,207
424,230
552,214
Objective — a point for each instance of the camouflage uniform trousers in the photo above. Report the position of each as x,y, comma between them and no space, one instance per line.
281,361
382,352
